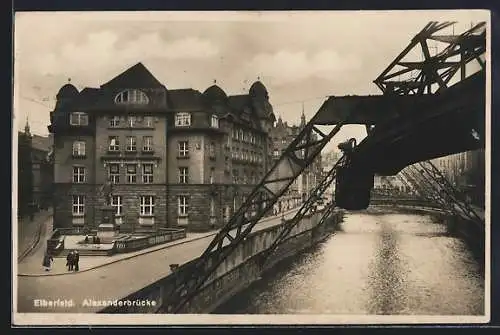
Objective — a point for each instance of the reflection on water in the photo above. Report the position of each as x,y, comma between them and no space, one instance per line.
377,264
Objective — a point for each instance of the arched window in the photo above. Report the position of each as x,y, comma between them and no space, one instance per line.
131,97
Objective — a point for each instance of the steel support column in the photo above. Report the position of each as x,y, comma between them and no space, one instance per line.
306,208
294,160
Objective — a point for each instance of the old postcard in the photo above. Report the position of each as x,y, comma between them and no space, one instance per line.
180,168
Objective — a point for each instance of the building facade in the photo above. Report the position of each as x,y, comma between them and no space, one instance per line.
466,172
282,134
171,157
35,171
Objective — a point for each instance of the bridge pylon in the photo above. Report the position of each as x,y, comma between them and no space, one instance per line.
299,154
437,187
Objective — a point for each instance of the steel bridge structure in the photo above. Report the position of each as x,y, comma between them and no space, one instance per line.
407,125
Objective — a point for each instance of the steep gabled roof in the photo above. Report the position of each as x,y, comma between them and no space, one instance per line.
138,76
41,142
238,102
185,99
88,97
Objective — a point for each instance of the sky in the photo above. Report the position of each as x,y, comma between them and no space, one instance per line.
301,57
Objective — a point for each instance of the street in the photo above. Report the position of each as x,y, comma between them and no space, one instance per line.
116,280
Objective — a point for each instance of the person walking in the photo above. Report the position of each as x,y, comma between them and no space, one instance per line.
76,259
47,261
69,260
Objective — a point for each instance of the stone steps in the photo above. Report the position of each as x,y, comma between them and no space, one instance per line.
92,252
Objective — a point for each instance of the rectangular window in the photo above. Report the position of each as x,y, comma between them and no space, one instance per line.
78,208
214,121
147,173
183,148
212,175
212,150
131,121
114,143
182,119
78,174
117,204
147,205
148,121
147,143
212,206
131,143
114,173
183,175
79,149
183,205
79,119
131,173
114,121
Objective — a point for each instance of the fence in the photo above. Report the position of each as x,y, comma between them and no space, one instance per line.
162,236
55,243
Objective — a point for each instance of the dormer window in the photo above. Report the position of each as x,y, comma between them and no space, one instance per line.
214,121
182,119
79,119
131,97
114,121
131,120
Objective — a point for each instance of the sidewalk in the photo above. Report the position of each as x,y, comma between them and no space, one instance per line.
28,232
31,266
111,280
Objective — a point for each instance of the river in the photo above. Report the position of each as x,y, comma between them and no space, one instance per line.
379,263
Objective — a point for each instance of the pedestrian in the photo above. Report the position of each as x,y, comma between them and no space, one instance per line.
47,261
76,259
69,260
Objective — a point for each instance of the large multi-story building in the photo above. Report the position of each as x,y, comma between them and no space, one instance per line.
173,157
282,134
35,171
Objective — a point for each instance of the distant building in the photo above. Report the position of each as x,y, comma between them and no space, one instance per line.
282,135
35,171
466,172
173,157
391,183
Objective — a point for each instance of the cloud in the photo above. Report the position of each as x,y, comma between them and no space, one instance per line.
288,67
106,50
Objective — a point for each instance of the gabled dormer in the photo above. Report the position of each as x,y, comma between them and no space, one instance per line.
136,88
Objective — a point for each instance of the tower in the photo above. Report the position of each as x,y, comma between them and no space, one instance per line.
27,128
302,118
